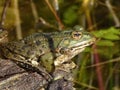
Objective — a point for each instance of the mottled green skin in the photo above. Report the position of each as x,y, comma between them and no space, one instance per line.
55,46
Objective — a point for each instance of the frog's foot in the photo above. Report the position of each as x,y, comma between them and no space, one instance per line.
30,65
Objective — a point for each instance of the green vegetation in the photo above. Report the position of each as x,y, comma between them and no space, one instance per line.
99,66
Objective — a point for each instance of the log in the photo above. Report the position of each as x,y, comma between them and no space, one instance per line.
13,77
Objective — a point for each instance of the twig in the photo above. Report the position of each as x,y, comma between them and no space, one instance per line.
113,75
18,25
61,26
115,18
56,5
98,69
41,20
87,9
34,10
106,62
3,15
90,87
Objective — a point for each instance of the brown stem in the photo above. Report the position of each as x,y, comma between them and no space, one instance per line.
115,18
18,22
3,15
34,10
61,26
89,21
56,5
41,20
87,9
98,69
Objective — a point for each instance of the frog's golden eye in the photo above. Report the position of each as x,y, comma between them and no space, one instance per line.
76,35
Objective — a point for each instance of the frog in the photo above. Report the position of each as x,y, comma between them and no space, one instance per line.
60,47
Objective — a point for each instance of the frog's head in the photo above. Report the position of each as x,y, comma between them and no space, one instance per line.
76,39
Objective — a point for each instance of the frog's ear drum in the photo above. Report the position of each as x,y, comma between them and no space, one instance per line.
76,35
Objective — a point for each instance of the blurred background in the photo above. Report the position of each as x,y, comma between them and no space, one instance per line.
99,66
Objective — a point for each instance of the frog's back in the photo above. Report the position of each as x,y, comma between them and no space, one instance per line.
35,44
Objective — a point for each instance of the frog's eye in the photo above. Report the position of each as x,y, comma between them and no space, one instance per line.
76,35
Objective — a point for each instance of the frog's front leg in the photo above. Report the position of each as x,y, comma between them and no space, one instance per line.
64,55
30,64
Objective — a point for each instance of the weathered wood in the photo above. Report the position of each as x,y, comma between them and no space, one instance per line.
13,77
61,84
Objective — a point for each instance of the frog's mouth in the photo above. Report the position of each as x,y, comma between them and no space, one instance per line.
82,45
